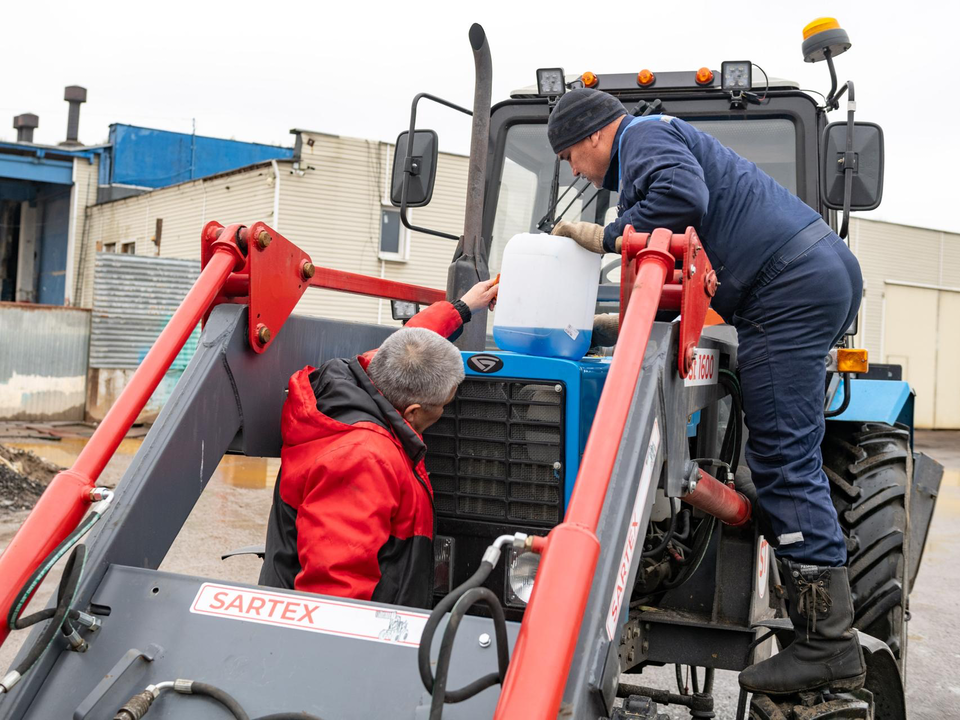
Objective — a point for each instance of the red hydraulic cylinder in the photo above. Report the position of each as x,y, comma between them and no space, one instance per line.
533,688
65,501
719,500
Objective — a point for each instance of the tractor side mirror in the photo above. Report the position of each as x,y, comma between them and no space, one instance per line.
866,159
414,168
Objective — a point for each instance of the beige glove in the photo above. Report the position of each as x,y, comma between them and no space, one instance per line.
606,329
586,234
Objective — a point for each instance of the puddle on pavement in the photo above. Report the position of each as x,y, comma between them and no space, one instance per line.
236,470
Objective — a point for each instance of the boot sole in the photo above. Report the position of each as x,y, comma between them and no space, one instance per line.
849,684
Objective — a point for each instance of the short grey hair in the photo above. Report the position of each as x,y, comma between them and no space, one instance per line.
416,366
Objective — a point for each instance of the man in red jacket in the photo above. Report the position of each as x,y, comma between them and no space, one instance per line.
352,511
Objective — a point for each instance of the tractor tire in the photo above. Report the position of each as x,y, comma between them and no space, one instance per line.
869,467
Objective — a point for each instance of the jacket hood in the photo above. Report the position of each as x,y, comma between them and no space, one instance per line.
339,397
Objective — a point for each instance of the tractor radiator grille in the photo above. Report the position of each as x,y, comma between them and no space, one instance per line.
496,454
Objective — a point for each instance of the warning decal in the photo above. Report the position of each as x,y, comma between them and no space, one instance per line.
633,534
321,615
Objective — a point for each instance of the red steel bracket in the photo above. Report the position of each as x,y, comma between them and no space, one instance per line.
690,291
699,287
280,274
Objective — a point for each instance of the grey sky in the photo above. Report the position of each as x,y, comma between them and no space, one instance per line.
252,72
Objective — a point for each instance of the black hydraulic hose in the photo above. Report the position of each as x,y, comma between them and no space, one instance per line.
33,582
734,432
655,552
685,524
464,603
700,551
222,697
69,582
846,398
441,609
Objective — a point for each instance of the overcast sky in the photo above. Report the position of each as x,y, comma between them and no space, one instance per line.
253,71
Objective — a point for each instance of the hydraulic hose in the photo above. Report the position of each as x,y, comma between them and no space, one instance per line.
69,582
60,616
139,705
441,609
466,601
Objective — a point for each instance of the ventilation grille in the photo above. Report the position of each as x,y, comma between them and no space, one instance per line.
496,454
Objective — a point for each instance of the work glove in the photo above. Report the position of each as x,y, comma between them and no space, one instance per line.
606,329
586,234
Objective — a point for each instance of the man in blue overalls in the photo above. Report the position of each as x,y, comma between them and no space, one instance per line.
790,286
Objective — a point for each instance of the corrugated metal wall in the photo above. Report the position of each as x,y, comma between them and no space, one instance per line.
134,298
43,362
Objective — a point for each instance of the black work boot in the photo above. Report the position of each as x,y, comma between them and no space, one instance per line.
826,652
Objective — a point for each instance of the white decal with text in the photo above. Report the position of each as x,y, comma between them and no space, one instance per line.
322,615
620,590
704,370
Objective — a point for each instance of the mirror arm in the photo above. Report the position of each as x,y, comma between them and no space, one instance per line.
848,160
408,164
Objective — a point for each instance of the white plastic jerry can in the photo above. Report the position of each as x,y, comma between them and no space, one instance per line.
547,298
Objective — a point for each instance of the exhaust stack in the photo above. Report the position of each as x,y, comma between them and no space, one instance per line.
25,125
75,95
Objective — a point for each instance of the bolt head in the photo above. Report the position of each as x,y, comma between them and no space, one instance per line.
557,465
263,239
308,270
484,640
558,387
263,334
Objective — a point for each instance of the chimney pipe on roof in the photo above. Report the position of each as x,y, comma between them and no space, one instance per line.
75,95
25,125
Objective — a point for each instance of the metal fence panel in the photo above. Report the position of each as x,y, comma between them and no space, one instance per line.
43,362
133,299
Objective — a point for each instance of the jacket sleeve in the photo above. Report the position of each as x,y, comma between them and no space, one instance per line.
667,178
444,318
343,521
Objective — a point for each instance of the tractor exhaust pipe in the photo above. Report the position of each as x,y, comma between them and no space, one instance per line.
707,493
469,264
483,89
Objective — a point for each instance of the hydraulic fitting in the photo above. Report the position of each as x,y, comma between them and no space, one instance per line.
136,707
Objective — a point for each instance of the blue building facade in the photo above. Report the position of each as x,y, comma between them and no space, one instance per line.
42,207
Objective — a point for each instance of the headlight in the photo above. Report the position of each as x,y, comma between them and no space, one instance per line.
521,573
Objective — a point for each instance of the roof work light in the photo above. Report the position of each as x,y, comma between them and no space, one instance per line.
550,82
735,75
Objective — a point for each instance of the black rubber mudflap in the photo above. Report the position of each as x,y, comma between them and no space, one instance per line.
868,465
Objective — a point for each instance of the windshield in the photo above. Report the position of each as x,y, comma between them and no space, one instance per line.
529,166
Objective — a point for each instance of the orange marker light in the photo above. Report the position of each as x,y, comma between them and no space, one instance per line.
704,76
589,79
852,360
645,78
819,25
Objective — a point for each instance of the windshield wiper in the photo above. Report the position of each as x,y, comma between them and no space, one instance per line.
548,218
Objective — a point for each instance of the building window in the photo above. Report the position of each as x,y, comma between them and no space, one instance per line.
129,248
393,236
110,247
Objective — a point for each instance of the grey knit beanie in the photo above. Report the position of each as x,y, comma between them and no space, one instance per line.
579,113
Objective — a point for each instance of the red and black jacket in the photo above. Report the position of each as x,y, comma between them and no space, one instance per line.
352,511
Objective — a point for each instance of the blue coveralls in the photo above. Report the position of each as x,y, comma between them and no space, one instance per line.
788,284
